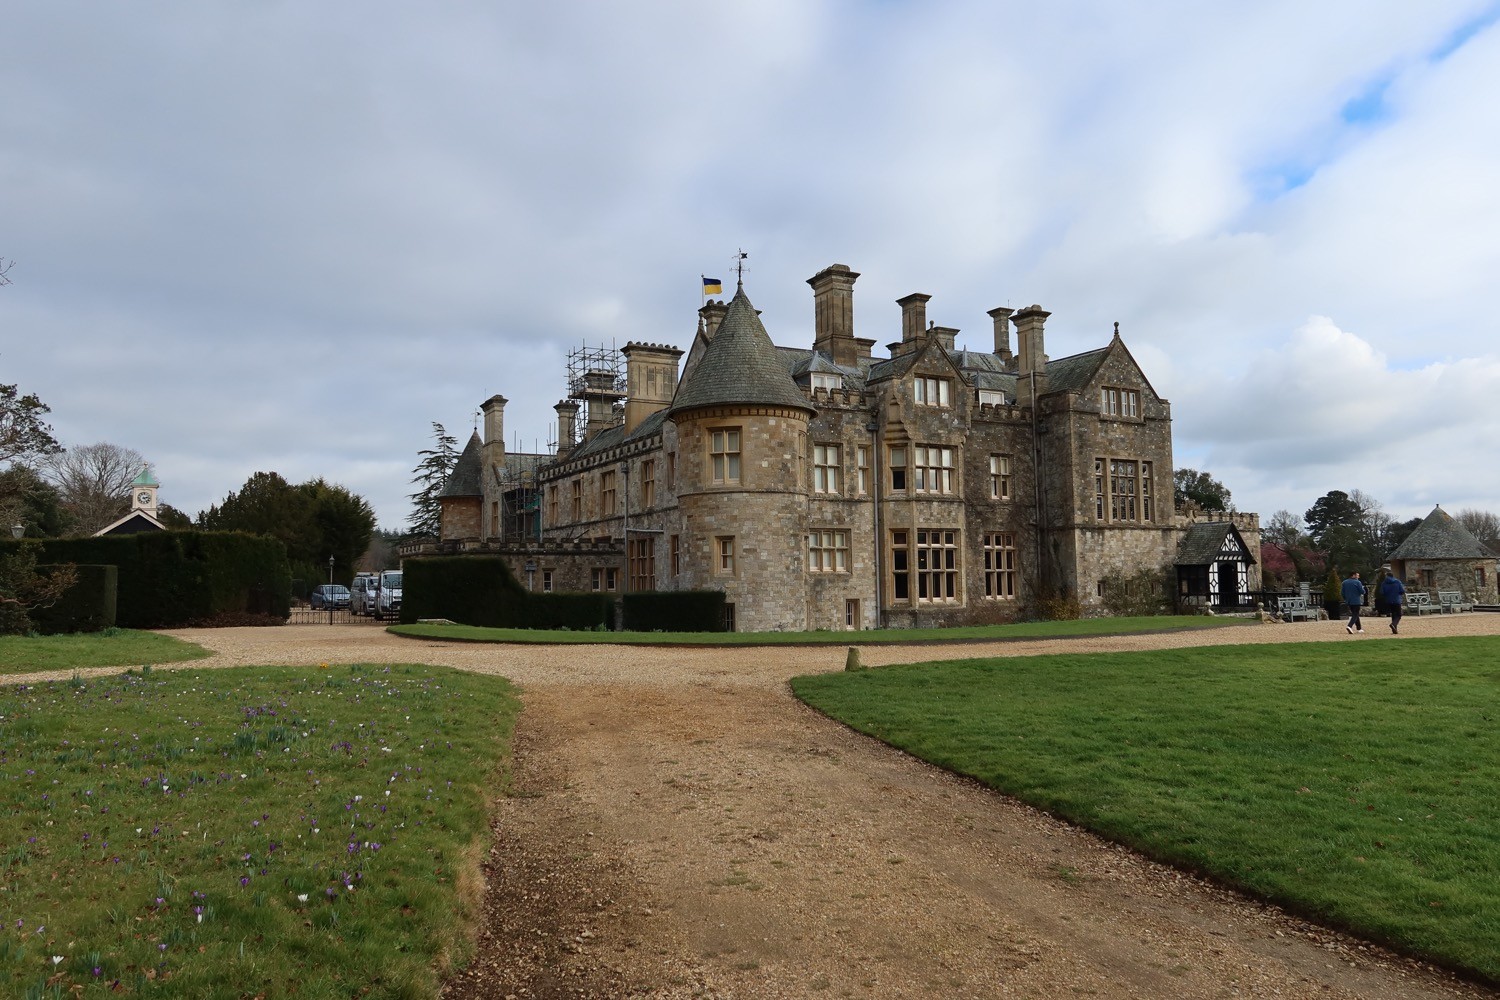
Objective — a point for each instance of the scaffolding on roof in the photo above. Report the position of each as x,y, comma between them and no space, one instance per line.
585,361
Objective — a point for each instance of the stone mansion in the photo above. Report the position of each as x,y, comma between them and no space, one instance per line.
822,487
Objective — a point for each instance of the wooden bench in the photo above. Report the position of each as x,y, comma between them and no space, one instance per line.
1421,604
1452,601
1291,608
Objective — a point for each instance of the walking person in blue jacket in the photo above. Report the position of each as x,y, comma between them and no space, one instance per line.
1393,593
1354,596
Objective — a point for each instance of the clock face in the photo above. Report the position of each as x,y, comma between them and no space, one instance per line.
143,496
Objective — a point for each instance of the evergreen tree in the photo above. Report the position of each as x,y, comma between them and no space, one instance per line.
314,521
1202,489
434,466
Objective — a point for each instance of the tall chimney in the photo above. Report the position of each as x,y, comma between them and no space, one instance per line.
492,455
1031,356
650,380
833,313
712,313
1001,316
567,426
599,396
913,316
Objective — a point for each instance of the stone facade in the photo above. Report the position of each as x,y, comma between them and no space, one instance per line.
829,489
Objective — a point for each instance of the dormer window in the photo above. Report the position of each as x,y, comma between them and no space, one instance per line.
991,397
821,380
1119,402
933,391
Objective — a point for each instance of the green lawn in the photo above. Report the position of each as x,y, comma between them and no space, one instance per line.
21,654
256,831
975,633
1355,784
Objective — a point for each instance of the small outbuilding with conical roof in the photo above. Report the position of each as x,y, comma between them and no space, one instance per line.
1442,555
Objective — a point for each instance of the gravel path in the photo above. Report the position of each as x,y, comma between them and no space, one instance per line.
680,826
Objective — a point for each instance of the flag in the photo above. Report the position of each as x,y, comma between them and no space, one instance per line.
713,286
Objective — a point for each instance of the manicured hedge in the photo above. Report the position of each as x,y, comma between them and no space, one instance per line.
172,578
580,612
481,590
88,606
674,611
470,590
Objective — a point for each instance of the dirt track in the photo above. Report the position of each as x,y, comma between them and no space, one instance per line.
684,827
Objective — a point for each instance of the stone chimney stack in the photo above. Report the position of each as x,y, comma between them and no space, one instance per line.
1001,316
833,313
712,313
650,380
599,396
913,316
493,454
1031,356
567,426
946,335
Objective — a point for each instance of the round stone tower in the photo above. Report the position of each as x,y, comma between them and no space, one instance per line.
741,426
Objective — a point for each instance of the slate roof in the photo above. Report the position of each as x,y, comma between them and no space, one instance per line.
1441,537
612,436
1074,372
465,479
1204,542
739,365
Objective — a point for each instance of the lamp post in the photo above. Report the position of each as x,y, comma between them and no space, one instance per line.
17,530
330,570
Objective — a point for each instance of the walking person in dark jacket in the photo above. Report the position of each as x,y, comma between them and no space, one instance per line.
1354,596
1393,593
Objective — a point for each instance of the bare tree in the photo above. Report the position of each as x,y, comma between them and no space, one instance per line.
93,483
1482,524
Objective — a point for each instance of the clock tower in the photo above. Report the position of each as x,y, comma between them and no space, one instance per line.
143,492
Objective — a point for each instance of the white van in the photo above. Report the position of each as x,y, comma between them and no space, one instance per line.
362,593
388,597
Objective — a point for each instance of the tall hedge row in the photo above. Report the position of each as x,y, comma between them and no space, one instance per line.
674,611
171,578
90,605
482,590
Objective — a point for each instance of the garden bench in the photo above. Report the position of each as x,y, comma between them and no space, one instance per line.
1292,608
1452,601
1421,604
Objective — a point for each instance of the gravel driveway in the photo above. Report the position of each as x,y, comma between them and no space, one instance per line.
680,826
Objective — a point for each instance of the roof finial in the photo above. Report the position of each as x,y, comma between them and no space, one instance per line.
1117,329
739,270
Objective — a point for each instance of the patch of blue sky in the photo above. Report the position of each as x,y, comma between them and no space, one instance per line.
1461,35
1369,106
1273,180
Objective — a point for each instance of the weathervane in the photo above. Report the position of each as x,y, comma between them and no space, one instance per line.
739,269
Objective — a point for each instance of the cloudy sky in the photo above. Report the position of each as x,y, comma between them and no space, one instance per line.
288,236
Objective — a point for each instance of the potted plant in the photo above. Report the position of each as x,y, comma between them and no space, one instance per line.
1331,600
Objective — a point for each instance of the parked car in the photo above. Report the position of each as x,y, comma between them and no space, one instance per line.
388,597
329,595
362,601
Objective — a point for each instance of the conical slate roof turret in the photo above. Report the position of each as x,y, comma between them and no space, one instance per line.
465,479
738,366
1441,537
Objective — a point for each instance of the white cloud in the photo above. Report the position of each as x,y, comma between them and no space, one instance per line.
241,229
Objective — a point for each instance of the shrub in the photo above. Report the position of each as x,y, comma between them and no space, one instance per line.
25,591
469,590
1141,595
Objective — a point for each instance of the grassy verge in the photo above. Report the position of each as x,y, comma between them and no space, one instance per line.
266,831
1356,785
20,654
975,633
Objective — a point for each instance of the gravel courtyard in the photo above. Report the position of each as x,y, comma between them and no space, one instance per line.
680,826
